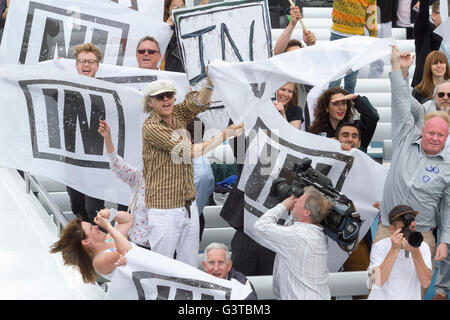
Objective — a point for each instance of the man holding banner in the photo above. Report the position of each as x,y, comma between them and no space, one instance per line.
168,171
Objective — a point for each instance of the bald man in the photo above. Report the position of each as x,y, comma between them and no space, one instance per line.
419,174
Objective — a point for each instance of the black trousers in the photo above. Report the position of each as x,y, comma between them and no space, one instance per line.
83,205
249,257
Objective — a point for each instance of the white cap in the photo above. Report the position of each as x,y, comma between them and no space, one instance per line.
159,86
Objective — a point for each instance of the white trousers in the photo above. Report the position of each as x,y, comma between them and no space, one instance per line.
172,230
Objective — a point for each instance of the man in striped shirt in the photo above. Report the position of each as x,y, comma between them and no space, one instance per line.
168,171
300,269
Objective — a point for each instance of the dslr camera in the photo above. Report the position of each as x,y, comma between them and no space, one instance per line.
414,238
343,223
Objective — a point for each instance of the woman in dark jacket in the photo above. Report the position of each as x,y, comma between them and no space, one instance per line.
336,106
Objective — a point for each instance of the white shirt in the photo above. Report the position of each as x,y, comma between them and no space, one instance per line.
300,268
403,282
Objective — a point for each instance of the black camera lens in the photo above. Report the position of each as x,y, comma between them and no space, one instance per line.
415,239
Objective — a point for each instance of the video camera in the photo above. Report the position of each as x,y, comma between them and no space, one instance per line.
343,223
414,238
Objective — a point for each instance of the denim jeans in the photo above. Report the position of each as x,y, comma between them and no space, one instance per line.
350,79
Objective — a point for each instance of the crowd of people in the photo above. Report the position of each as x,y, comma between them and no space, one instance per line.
168,194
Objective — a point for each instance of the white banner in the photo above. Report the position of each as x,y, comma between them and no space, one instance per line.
153,8
232,31
49,126
272,153
252,82
39,30
275,145
137,78
151,276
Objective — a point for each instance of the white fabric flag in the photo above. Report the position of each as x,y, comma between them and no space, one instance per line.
314,65
49,127
153,8
151,276
234,31
39,30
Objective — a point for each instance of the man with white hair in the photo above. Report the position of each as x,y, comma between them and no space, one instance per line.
218,264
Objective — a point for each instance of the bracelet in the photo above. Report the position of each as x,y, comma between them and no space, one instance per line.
209,87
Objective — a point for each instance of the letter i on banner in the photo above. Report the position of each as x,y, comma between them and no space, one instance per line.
230,31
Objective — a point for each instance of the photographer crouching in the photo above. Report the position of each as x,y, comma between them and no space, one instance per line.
301,246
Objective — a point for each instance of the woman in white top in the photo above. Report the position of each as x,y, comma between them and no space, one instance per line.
92,251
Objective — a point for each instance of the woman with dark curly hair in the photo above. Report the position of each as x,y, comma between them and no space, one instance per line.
92,251
336,106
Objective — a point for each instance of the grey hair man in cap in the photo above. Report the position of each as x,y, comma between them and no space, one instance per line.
169,178
400,269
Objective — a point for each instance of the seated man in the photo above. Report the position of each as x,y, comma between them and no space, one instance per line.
399,275
218,264
300,270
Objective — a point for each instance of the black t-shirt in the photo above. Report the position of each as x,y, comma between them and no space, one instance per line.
294,113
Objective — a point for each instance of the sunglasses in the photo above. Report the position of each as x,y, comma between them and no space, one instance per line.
149,51
160,97
442,94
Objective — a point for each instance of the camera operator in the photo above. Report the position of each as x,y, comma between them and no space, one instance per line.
398,274
300,268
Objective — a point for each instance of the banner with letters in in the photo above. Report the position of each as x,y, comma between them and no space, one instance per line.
231,31
52,129
49,126
274,146
39,30
151,276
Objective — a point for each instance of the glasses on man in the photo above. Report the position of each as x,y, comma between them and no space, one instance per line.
89,62
149,51
442,94
160,97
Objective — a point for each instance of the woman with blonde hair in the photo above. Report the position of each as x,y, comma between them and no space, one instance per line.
92,251
287,104
435,71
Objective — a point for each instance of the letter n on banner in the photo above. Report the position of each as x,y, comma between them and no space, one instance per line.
231,31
